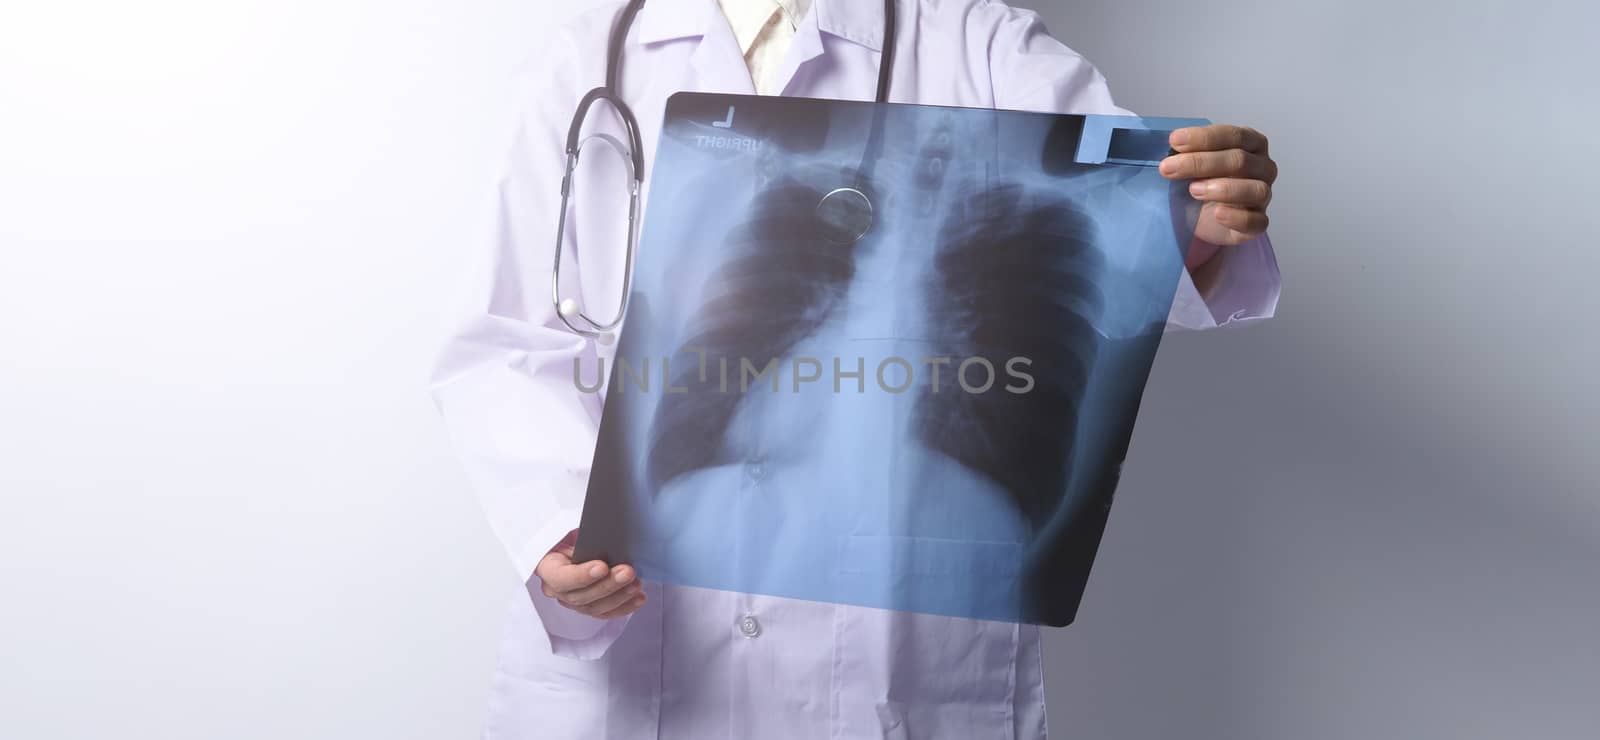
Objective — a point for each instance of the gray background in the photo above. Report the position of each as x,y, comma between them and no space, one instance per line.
1377,515
227,509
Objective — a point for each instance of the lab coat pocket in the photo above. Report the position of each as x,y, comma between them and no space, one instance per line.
903,674
537,694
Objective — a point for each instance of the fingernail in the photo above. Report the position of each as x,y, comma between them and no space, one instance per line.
1180,138
1169,165
597,570
1198,189
622,576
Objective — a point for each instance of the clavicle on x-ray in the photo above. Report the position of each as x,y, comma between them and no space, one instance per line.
885,355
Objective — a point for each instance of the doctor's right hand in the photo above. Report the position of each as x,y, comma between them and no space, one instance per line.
591,588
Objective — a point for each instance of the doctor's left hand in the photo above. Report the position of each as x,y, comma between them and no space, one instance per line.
591,588
1232,173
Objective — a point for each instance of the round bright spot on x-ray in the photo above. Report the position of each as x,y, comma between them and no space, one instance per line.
844,215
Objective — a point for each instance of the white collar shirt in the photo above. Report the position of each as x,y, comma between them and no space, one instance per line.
764,30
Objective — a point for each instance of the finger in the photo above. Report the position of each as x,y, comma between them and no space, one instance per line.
628,607
1247,222
1231,163
620,577
609,602
1218,137
1233,191
1231,238
565,577
548,567
567,544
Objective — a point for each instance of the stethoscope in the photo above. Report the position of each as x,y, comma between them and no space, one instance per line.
845,210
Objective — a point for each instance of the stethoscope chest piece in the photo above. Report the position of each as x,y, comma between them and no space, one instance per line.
844,215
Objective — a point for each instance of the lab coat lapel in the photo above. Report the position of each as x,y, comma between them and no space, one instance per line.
857,21
717,64
807,45
860,21
669,20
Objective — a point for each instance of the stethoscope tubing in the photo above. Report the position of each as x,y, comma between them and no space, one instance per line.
571,313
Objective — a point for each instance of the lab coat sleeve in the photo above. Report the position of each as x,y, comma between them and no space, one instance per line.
1030,70
503,381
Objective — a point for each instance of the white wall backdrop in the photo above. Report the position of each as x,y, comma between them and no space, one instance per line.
227,229
227,510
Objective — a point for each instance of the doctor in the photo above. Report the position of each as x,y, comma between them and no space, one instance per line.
591,653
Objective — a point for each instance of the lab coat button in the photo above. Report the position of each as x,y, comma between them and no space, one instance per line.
756,470
749,627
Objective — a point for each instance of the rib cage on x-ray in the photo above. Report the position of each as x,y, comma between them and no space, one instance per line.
1014,277
776,286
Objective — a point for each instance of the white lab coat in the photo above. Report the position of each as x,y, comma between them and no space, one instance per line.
696,664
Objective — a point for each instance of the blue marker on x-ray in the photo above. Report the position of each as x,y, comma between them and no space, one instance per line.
885,355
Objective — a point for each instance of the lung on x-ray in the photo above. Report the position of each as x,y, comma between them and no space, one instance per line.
931,417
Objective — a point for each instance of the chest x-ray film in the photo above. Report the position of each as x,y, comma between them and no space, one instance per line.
930,418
